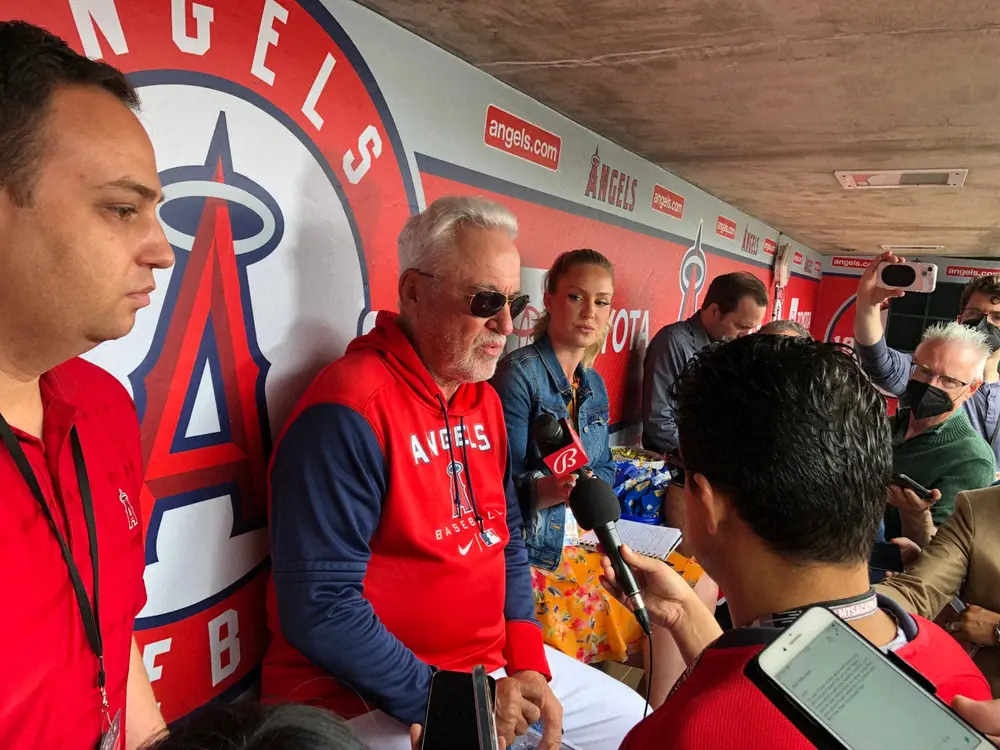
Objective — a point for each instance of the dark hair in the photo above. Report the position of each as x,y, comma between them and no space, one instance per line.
253,726
550,283
785,326
808,451
33,64
988,285
727,290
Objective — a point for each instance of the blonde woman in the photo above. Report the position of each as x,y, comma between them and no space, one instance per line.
554,375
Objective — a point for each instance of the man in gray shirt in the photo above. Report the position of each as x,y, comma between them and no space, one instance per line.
733,306
890,369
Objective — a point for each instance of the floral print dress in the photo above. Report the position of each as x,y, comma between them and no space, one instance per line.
580,618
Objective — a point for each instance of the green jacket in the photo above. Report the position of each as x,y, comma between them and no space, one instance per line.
951,457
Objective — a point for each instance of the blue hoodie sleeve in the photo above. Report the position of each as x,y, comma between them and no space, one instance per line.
524,650
327,485
888,369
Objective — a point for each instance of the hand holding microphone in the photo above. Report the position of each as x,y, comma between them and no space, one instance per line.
560,446
593,502
665,593
595,507
672,604
564,456
552,490
650,588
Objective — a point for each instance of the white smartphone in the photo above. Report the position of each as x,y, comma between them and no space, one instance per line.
842,692
909,276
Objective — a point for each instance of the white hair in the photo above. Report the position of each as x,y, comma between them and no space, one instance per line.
428,237
961,335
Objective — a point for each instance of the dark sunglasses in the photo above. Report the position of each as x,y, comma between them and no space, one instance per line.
486,304
675,469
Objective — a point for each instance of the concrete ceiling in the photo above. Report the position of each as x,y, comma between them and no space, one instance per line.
759,101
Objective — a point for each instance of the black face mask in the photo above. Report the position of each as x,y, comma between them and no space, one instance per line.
983,324
926,401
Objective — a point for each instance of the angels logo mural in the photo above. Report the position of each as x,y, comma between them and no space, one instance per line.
693,272
285,185
532,284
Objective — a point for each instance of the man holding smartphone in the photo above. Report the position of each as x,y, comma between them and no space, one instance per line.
936,451
784,519
979,308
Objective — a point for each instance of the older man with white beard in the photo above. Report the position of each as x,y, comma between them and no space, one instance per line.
396,535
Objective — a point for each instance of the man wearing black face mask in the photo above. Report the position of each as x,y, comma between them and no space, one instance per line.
933,441
890,370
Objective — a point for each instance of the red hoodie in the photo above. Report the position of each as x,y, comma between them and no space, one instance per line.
396,538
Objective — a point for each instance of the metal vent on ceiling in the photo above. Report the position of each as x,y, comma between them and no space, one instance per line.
883,179
910,249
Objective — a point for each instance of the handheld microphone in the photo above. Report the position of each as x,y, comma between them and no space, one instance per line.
559,445
595,507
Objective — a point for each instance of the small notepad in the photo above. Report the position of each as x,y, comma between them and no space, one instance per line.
644,538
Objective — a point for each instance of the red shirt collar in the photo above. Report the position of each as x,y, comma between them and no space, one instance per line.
60,412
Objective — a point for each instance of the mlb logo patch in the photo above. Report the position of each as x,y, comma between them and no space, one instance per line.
490,538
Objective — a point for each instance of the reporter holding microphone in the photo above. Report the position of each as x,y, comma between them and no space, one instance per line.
784,519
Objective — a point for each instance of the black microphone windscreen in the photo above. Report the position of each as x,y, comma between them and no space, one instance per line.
547,432
594,503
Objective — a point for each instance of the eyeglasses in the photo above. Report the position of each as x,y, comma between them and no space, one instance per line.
927,375
486,304
674,467
971,313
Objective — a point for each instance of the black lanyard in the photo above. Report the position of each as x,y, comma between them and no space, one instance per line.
852,608
89,615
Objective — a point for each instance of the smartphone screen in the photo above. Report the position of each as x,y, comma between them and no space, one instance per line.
857,694
451,722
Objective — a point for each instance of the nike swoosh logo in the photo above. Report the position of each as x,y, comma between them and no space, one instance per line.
465,550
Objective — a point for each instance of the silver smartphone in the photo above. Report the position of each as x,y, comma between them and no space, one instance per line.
910,276
842,692
483,690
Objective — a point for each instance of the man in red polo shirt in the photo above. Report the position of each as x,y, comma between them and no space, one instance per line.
784,518
79,240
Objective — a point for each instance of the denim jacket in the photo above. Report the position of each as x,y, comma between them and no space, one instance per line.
530,382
